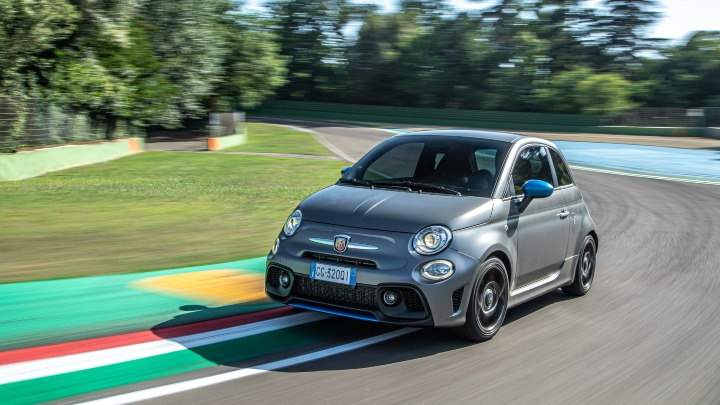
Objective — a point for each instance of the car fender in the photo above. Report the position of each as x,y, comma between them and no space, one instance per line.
480,242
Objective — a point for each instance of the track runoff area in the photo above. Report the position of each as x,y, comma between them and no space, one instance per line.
165,360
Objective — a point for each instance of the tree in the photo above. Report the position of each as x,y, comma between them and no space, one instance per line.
28,33
559,93
310,36
603,93
621,34
253,67
686,77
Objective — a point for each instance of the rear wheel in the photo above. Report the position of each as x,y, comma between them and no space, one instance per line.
585,269
488,303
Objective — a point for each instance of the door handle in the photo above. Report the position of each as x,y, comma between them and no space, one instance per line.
563,214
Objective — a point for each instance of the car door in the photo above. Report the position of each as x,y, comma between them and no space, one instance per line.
566,187
543,228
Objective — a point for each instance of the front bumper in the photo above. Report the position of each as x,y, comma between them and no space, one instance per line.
395,267
359,301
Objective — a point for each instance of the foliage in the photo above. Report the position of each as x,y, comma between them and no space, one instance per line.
161,62
253,67
603,93
137,62
29,31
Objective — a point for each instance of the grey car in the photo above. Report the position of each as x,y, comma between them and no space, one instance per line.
438,228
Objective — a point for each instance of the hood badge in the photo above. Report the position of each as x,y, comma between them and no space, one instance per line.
341,243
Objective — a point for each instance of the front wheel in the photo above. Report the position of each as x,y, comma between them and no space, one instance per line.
585,269
488,303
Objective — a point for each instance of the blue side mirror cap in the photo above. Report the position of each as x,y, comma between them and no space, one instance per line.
534,189
345,170
537,189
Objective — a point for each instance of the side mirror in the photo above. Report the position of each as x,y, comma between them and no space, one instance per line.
345,170
534,189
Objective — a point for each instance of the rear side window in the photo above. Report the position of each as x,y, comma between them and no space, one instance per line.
532,164
561,170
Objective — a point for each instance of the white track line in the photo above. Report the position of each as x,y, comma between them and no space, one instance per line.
646,176
82,361
170,389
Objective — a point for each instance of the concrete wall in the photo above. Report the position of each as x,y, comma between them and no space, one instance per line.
23,165
712,133
224,142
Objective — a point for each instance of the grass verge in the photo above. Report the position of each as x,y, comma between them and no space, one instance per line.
269,138
150,211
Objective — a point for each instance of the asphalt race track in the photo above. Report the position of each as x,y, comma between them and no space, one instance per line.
647,333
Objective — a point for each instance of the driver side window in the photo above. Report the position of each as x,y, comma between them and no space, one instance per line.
531,164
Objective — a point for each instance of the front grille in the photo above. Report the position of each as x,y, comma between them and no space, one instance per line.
340,259
412,299
358,296
457,298
273,276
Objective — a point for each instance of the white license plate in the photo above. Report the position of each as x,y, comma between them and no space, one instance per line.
332,273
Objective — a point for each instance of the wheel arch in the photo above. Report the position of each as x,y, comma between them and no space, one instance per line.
504,257
595,237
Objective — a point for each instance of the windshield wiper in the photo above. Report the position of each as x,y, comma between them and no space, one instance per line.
356,182
412,184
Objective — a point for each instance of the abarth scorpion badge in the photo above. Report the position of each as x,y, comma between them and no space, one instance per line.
341,243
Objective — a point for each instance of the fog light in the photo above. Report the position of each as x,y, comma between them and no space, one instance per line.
284,279
437,270
390,298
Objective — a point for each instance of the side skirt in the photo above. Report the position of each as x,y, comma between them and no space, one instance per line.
563,276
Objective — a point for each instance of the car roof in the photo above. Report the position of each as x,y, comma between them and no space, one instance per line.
491,135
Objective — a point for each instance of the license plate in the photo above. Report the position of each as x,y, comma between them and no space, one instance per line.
332,273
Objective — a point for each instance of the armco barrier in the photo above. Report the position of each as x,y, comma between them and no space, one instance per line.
23,165
223,142
463,118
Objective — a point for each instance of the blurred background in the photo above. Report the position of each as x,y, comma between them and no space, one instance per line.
79,70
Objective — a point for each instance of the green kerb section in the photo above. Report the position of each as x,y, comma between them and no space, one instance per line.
29,164
517,121
232,140
46,312
116,375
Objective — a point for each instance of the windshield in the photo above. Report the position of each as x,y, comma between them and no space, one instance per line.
435,164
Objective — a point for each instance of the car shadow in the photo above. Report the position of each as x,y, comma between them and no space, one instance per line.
259,349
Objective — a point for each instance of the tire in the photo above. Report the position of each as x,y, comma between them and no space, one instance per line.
488,303
585,269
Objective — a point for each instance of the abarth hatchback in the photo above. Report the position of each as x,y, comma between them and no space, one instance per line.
438,228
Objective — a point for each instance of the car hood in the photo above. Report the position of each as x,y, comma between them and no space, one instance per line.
393,210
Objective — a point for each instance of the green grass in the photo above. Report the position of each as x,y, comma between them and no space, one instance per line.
268,138
150,211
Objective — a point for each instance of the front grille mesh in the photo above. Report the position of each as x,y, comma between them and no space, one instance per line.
457,298
340,259
358,296
413,302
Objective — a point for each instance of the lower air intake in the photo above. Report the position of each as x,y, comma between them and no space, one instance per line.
457,299
360,297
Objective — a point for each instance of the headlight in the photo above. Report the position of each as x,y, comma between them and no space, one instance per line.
293,223
437,270
431,240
